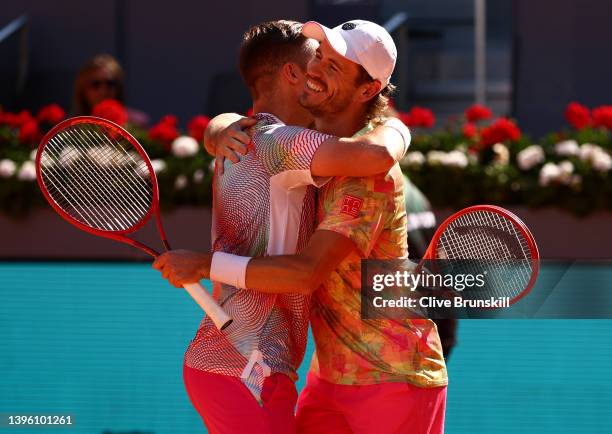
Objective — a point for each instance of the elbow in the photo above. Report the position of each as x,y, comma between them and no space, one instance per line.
209,148
388,160
383,161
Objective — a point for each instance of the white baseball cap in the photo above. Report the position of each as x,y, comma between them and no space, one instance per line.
363,42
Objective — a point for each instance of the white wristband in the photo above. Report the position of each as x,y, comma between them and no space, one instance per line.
229,269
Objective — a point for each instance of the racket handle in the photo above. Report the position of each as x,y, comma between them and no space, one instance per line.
209,305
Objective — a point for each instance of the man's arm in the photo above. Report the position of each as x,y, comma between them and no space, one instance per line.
303,272
300,273
366,155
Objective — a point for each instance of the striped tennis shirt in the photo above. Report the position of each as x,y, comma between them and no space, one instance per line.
264,205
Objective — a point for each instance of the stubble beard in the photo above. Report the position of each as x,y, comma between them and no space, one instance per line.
326,107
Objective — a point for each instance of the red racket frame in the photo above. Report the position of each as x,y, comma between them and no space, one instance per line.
114,235
518,223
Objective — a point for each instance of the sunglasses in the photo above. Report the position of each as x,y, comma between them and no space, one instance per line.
97,84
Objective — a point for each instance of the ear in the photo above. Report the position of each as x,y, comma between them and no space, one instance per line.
369,90
292,73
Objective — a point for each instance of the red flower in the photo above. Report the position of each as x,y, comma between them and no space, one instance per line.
197,126
29,132
16,120
112,110
165,131
602,116
477,112
469,130
501,130
578,115
51,114
418,117
403,116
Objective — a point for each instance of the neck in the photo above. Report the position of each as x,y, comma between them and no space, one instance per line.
343,124
288,112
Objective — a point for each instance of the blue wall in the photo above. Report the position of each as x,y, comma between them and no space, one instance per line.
105,342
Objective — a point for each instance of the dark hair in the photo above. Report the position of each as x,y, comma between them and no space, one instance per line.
378,107
80,104
266,47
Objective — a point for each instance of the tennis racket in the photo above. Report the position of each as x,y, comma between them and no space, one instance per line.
491,236
100,179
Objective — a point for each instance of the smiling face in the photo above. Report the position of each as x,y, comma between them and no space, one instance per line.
331,82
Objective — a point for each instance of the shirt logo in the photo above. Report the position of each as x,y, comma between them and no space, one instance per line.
351,205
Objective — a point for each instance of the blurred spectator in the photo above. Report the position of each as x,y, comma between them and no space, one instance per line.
421,227
99,79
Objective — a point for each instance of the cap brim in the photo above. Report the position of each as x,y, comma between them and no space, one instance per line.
319,32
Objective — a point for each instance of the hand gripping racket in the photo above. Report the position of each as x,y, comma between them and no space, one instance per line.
100,179
487,233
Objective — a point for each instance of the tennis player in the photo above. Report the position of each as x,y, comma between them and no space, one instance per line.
367,376
242,379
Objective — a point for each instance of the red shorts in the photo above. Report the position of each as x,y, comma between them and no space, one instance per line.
227,407
386,408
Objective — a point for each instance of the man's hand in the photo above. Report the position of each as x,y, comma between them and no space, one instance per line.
183,266
233,140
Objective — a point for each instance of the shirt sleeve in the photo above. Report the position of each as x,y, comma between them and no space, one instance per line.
401,128
284,148
355,208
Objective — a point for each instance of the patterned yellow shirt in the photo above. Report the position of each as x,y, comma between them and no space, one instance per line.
350,350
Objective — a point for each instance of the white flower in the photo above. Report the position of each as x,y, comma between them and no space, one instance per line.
33,154
502,154
587,150
530,157
435,157
414,159
46,160
566,169
27,171
159,165
597,156
180,182
7,168
198,176
106,156
601,161
185,146
550,172
455,159
567,148
69,155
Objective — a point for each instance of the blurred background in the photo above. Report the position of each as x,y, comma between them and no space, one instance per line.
537,56
508,101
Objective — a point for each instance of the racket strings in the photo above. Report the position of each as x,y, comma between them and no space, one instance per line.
102,212
103,151
485,240
97,178
113,173
89,194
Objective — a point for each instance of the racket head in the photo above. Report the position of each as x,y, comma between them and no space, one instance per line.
77,138
494,217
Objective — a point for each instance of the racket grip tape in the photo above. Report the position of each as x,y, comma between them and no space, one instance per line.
209,305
